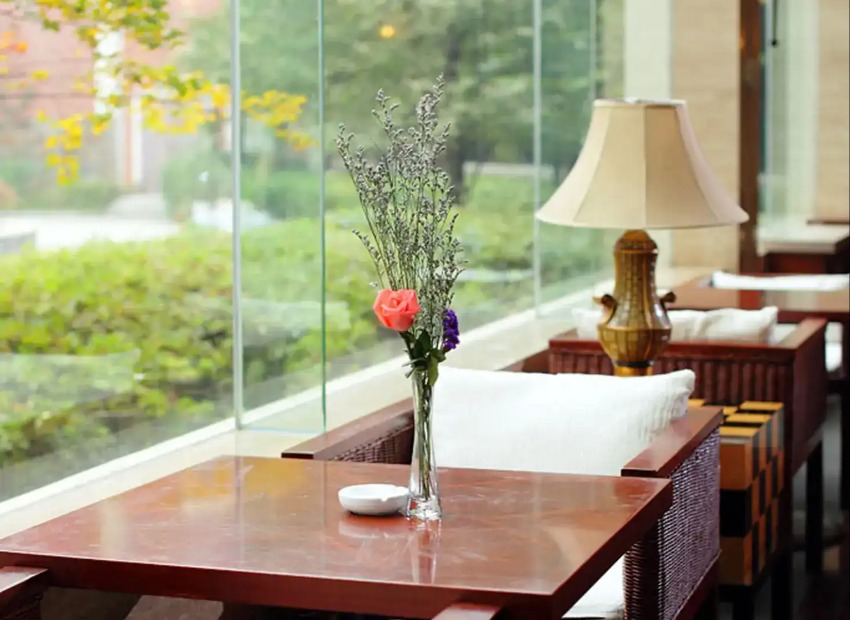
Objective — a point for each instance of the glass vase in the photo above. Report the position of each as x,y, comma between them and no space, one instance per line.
423,500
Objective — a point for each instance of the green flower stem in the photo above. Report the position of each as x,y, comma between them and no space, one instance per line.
423,453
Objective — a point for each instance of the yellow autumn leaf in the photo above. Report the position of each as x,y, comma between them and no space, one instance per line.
220,98
40,74
98,126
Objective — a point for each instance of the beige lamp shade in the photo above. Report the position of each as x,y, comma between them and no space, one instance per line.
641,168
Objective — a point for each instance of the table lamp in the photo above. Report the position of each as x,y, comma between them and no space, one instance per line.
640,168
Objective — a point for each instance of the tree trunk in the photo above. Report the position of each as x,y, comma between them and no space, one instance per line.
456,150
557,174
455,158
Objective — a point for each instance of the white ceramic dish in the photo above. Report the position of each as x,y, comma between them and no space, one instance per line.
373,499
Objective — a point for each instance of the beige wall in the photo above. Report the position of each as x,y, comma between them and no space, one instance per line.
647,72
705,74
834,109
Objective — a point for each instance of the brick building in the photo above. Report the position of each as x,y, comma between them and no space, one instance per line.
57,69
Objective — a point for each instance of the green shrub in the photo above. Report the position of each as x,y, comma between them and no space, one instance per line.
100,300
100,338
284,194
82,195
164,308
21,173
36,189
199,174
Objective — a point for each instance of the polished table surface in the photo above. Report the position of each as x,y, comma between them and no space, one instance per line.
802,237
794,306
800,247
271,532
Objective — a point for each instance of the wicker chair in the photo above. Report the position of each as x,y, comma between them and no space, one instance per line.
794,306
672,572
792,372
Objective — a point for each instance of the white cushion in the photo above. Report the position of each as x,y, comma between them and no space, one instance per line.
605,599
834,356
782,331
834,332
563,423
729,324
828,282
834,351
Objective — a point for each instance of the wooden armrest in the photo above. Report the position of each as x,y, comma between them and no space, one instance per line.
784,350
805,330
17,582
675,444
830,221
539,362
359,432
467,611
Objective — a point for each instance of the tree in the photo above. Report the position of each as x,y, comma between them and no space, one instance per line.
483,48
126,50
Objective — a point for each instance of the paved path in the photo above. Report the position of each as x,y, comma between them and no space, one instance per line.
66,230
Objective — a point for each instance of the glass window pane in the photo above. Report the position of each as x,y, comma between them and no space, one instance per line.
116,326
484,50
281,303
115,249
789,176
581,61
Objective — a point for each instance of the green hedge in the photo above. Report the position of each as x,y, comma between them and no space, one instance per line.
182,182
146,327
35,188
96,339
97,301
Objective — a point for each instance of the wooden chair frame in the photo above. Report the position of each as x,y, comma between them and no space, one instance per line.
792,372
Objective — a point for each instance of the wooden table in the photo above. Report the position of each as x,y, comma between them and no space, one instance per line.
270,532
830,221
793,306
805,248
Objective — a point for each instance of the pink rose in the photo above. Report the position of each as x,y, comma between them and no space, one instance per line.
396,309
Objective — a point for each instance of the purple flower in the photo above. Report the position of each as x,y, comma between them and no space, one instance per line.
451,331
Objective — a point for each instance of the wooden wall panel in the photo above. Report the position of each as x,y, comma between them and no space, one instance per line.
706,75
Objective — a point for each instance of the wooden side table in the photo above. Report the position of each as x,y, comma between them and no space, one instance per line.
810,248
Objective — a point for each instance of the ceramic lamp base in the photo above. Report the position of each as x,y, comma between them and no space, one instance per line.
635,328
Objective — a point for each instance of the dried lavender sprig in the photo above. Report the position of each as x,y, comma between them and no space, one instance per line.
408,203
